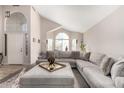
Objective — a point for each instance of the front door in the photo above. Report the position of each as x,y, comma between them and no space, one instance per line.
15,47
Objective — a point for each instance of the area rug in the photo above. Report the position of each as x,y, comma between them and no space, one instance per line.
13,82
8,71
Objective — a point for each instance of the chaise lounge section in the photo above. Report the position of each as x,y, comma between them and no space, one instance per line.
94,75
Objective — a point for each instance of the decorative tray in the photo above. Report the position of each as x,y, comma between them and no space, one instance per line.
57,66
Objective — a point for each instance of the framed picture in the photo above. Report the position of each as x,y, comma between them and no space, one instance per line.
34,39
38,40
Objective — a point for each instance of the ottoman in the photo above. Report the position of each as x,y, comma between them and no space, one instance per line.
38,77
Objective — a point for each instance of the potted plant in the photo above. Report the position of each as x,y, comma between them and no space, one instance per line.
83,47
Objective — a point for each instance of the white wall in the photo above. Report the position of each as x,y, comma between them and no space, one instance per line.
1,29
72,35
35,34
46,25
108,35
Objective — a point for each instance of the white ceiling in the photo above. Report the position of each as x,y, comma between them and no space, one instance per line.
76,18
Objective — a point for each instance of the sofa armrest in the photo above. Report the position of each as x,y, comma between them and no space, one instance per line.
119,82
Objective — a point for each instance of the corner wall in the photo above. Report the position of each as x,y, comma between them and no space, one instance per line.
35,35
107,36
46,25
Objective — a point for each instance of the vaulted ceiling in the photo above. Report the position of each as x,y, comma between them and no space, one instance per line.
78,18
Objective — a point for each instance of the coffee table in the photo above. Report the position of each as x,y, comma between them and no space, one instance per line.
38,77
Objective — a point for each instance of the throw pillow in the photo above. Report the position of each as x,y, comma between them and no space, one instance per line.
96,58
117,69
65,54
106,65
85,56
43,55
57,53
119,82
50,53
75,54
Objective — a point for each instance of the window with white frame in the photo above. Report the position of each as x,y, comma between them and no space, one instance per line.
74,44
62,42
49,44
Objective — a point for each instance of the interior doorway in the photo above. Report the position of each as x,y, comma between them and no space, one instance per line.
15,47
16,41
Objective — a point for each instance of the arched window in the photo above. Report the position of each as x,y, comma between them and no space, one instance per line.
62,42
49,44
62,36
16,22
74,41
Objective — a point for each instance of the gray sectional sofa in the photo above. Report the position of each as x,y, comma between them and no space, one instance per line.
99,70
61,56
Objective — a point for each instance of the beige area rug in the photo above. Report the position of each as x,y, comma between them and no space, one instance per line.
10,75
8,71
12,82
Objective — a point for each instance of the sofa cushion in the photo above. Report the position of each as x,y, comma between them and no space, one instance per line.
96,58
68,60
96,79
119,82
85,56
65,54
50,53
106,65
43,55
75,54
41,60
57,53
118,69
82,64
65,60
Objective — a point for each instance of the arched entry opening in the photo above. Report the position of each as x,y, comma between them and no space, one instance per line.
16,38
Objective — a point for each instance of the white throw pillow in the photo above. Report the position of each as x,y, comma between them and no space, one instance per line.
106,65
85,56
117,69
96,58
119,82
